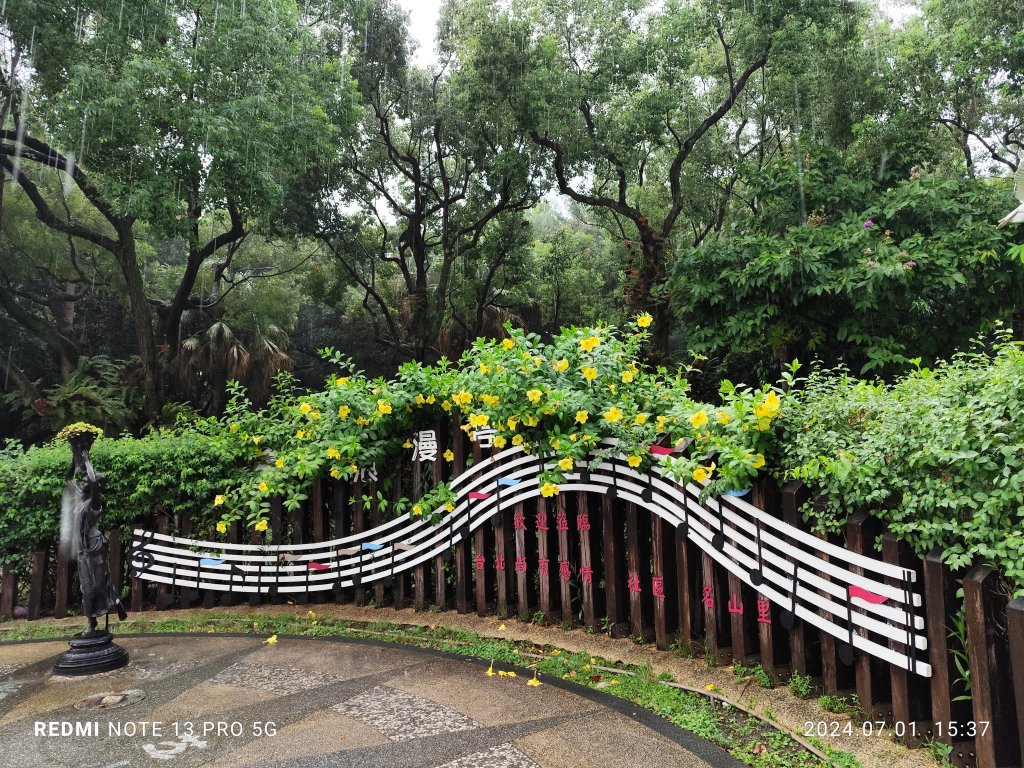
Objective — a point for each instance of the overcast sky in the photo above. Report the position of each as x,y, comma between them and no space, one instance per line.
423,21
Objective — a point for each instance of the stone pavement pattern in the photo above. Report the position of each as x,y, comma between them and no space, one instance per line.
331,703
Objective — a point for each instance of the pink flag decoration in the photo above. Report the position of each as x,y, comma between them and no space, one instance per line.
317,567
478,495
662,450
867,596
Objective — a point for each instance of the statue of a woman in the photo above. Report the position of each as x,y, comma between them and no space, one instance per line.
81,536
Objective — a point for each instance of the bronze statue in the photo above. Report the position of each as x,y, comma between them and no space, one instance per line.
80,537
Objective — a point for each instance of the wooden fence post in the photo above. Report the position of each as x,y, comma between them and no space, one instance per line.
543,557
663,586
461,554
564,556
1015,629
482,579
992,693
37,582
794,495
583,528
60,592
8,591
613,562
872,684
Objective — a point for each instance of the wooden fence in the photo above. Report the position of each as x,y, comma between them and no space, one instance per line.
605,563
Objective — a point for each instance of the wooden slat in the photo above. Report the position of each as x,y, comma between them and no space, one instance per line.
662,547
634,563
765,498
163,592
316,511
256,598
341,518
401,579
37,580
794,496
613,564
358,526
544,557
910,692
8,590
829,661
991,681
376,517
583,508
737,629
712,607
116,560
564,556
504,553
419,587
939,604
685,591
483,578
522,577
872,685
1015,628
185,597
463,572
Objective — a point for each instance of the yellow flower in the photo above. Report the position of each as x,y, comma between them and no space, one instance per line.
279,463
581,417
490,670
222,527
333,453
589,343
517,440
772,401
233,427
530,421
417,509
272,640
335,473
723,417
556,652
485,368
589,373
257,439
361,421
407,444
449,507
534,682
612,415
534,395
384,406
499,442
763,412
511,674
508,343
698,419
299,434
341,381
420,399
502,673
352,468
315,415
219,499
627,376
501,628
709,687
305,407
566,464
462,398
758,461
263,487
611,388
261,526
548,489
641,418
700,474
310,614
633,461
491,400
431,399
479,420
560,365
644,319
513,422
448,455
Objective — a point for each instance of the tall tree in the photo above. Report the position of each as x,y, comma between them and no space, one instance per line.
192,118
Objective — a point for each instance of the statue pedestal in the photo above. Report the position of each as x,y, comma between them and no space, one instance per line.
90,655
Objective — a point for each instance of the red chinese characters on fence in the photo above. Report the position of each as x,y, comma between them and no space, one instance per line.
564,570
735,605
519,521
582,521
499,563
561,521
542,521
520,565
708,599
480,562
586,574
658,586
633,582
542,566
764,611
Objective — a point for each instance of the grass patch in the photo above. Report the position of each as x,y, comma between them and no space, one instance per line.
749,739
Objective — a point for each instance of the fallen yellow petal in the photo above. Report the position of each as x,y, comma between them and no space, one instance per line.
490,670
272,640
501,628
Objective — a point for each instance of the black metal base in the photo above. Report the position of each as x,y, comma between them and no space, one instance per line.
90,655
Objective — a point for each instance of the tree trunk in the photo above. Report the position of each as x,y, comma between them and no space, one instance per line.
648,293
143,321
63,311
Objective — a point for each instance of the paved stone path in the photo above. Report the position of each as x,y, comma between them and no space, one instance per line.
302,702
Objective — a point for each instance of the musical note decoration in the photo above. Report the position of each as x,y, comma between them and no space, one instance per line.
810,580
